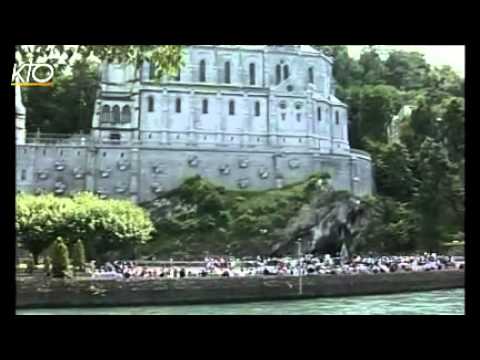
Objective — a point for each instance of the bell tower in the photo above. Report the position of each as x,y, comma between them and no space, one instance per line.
20,115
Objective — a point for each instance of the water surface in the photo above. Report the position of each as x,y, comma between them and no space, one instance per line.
442,302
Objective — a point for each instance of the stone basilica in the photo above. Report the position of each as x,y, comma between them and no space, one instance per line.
251,117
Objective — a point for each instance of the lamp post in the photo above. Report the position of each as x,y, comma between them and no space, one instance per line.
300,274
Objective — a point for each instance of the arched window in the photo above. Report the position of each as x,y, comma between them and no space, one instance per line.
319,114
126,114
278,74
252,74
227,73
151,104
257,108
105,113
116,114
337,117
231,107
205,106
178,76
286,72
310,76
299,117
203,75
178,105
152,71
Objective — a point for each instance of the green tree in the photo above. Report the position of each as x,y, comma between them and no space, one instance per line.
47,264
30,265
346,70
373,67
78,256
393,227
60,259
444,82
107,226
452,127
394,176
422,124
440,196
377,106
66,107
407,70
165,58
39,220
103,225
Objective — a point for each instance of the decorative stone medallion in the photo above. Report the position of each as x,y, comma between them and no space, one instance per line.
294,164
78,173
193,161
156,188
121,188
224,170
243,183
157,169
59,165
102,193
43,175
243,164
105,173
123,165
263,173
60,187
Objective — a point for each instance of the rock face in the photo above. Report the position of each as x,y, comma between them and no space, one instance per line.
331,219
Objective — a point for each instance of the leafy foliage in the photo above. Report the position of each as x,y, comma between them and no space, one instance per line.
394,171
406,70
47,264
103,225
420,181
393,227
68,106
78,255
200,217
60,259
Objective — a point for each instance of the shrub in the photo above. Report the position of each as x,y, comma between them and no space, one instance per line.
30,266
78,255
47,264
60,260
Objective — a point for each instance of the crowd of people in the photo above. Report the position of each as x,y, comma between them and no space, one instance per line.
307,265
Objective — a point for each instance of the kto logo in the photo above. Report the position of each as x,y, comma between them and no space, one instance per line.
30,74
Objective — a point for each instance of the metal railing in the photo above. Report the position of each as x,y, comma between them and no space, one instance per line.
360,152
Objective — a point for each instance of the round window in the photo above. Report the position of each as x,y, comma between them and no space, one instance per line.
290,88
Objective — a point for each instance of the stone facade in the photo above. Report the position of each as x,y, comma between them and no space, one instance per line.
244,116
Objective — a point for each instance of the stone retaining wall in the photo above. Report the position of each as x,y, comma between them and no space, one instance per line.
85,293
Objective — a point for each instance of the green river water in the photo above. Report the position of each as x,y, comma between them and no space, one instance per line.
442,302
